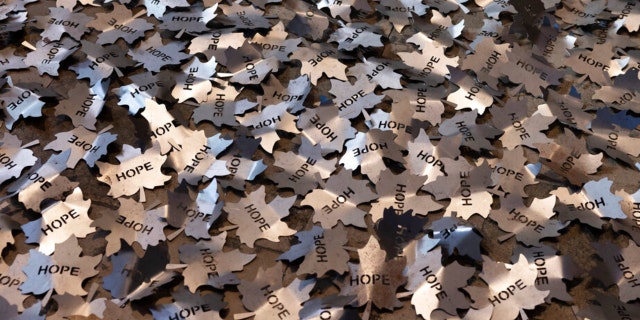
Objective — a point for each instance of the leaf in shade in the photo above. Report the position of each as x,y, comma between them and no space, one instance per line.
20,102
119,24
308,21
275,43
83,144
323,126
568,157
144,86
100,62
527,19
425,101
630,205
606,306
367,149
135,172
552,44
154,55
71,218
291,296
627,11
487,60
48,272
197,215
157,8
132,223
247,66
342,9
318,59
194,82
622,94
519,128
243,17
294,94
430,66
49,63
195,20
257,219
323,251
84,104
338,200
240,165
400,122
567,108
9,61
216,44
457,235
389,275
196,161
510,174
397,230
493,9
400,12
15,156
351,100
434,285
378,71
220,107
523,68
425,159
360,34
616,141
60,21
552,270
209,265
166,131
597,64
594,194
440,31
400,191
331,307
580,13
15,278
619,267
470,94
200,307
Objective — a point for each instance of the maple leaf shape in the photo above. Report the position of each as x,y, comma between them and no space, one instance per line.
474,136
303,169
523,68
552,45
60,21
373,263
323,250
434,285
19,102
9,61
60,221
400,122
424,159
607,306
338,200
323,126
493,9
100,61
209,265
243,17
195,216
196,161
165,130
342,9
45,182
216,44
567,109
84,104
629,204
520,129
440,31
425,101
70,305
10,311
332,306
15,156
240,165
399,12
202,307
430,66
569,158
157,8
579,13
519,278
487,60
247,66
629,12
194,20
308,21
220,107
470,94
617,142
294,94
397,229
119,24
400,191
351,100
597,64
622,93
49,63
67,254
257,295
84,145
195,80
366,149
620,267
154,55
318,59
135,172
511,174
529,224
15,277
144,86
378,71
132,223
264,124
257,219
353,35
594,194
552,269
275,43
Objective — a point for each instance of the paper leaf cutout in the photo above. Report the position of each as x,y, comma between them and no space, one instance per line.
434,286
589,205
569,158
324,127
60,221
119,24
132,223
294,94
153,54
275,43
194,81
257,219
302,169
455,234
511,174
100,62
200,307
14,156
83,144
338,200
209,265
400,191
322,250
365,150
84,104
396,230
318,59
194,20
620,267
135,172
64,271
353,35
19,103
264,124
520,278
374,265
552,269
48,55
60,21
144,86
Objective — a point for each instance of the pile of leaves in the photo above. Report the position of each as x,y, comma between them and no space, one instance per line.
283,159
